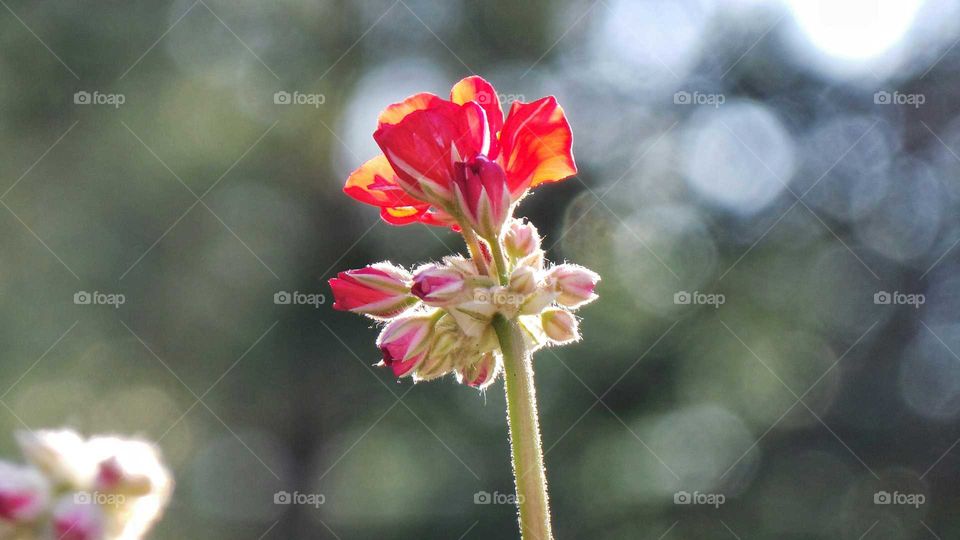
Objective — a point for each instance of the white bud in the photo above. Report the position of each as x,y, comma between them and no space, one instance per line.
62,455
560,326
523,280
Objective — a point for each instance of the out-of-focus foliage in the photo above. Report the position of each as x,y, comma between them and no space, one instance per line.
769,191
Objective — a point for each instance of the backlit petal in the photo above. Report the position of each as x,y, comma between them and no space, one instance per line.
536,144
477,89
396,112
375,183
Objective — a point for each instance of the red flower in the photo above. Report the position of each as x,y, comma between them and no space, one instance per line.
425,139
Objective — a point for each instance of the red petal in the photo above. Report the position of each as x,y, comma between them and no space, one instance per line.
477,89
537,145
403,215
419,148
396,112
375,183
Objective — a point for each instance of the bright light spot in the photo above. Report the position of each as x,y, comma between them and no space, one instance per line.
739,156
854,29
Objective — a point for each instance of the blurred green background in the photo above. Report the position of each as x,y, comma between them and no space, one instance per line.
797,160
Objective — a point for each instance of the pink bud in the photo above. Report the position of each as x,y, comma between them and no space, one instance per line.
481,190
521,239
437,285
75,518
481,373
379,290
575,284
560,326
24,493
405,341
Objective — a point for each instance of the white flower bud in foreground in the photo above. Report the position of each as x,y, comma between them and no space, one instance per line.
61,455
24,493
575,284
560,326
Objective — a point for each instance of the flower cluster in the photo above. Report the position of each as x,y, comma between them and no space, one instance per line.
460,163
102,488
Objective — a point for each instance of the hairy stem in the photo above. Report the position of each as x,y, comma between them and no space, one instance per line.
528,470
473,245
496,252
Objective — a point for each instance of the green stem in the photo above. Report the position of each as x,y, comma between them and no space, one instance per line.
496,251
528,470
473,245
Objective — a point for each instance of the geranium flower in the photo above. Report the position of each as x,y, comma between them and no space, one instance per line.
428,141
459,163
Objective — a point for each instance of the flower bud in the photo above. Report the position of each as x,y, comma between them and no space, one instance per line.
475,316
523,280
437,285
521,239
482,373
24,493
560,326
575,284
480,187
404,342
379,290
538,301
74,519
61,455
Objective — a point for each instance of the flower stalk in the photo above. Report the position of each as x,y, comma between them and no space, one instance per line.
462,164
526,448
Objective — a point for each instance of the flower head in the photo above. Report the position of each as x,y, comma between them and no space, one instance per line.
461,163
426,142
